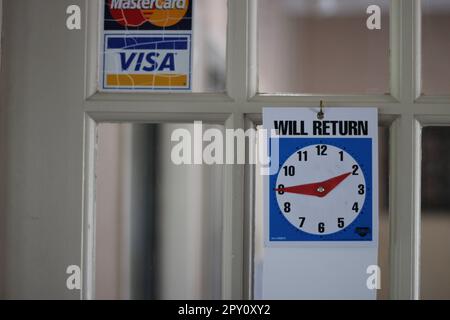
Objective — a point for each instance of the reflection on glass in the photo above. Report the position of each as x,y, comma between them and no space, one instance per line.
322,47
158,225
209,49
435,47
383,242
435,240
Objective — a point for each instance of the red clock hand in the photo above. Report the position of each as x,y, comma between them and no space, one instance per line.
319,189
332,183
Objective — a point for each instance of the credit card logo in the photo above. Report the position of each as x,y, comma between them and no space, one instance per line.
157,13
153,61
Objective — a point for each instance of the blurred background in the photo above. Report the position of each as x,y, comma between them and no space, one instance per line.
158,226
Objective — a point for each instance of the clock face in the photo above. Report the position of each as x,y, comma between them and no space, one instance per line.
320,189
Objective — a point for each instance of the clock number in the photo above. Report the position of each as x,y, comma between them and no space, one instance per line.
341,223
341,153
361,189
287,207
321,150
355,170
355,207
321,227
302,155
281,189
302,221
289,171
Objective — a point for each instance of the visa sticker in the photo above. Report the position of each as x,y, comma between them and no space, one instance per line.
152,61
146,45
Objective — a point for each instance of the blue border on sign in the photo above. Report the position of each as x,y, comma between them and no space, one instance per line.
146,35
281,230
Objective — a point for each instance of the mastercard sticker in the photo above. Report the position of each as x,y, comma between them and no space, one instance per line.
148,15
147,46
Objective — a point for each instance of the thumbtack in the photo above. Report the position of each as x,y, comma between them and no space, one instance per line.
321,114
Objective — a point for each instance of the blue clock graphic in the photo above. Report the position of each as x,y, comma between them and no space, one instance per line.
322,190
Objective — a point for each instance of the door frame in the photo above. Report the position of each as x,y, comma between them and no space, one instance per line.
405,111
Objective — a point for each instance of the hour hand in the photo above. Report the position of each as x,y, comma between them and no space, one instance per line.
318,189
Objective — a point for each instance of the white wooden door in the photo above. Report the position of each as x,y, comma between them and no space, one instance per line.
50,109
43,91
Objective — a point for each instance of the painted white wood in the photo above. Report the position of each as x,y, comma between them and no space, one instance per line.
417,48
329,99
405,33
88,217
396,31
237,49
42,96
405,161
171,107
233,224
437,120
92,46
252,50
239,75
404,210
249,218
433,100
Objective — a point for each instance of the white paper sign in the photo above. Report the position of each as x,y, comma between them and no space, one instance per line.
324,191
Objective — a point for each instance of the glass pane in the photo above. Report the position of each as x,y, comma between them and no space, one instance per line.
383,246
322,46
435,240
383,243
135,58
435,47
209,47
158,225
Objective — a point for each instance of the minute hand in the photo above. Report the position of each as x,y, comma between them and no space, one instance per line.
318,189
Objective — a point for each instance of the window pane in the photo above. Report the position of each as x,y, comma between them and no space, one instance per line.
322,46
129,62
209,47
435,47
435,253
158,225
383,242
